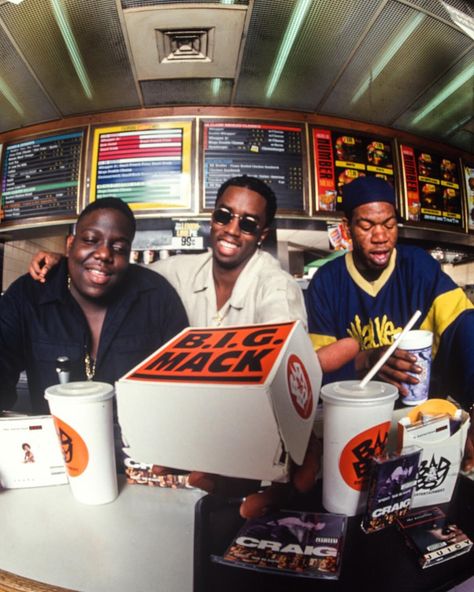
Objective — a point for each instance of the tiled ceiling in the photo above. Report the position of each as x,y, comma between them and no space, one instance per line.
376,61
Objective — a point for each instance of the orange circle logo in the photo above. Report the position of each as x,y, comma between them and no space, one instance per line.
354,463
76,455
299,387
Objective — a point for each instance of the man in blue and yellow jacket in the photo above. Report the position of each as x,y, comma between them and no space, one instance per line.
372,292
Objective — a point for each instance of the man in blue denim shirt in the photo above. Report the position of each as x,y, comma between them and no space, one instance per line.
105,315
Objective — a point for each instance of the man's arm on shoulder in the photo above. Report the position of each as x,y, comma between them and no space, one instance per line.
41,263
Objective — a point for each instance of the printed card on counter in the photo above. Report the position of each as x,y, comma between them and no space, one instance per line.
433,537
304,544
30,454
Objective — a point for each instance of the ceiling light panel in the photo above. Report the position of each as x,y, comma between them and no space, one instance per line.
323,44
452,98
431,48
97,38
186,92
435,6
22,100
140,3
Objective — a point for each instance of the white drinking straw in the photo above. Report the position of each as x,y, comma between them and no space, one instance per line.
373,371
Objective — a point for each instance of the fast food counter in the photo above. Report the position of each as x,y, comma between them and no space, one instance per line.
152,540
142,542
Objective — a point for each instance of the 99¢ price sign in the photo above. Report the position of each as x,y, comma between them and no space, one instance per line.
186,236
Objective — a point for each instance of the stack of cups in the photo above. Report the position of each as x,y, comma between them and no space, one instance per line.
355,427
83,416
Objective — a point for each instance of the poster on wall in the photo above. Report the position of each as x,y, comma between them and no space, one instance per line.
147,165
342,156
432,187
41,177
469,179
272,152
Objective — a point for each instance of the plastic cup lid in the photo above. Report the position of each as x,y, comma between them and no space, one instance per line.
416,340
349,392
86,391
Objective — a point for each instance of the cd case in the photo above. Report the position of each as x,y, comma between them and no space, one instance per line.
433,537
392,483
304,544
30,454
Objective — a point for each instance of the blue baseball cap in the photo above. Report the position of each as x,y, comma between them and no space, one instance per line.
364,190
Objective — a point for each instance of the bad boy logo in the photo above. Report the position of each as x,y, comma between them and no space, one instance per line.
355,459
432,474
299,387
75,452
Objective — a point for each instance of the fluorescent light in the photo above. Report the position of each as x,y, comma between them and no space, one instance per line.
10,97
446,92
72,47
215,86
388,54
227,1
457,126
299,13
15,1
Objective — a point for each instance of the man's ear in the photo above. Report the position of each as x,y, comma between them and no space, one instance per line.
69,241
263,236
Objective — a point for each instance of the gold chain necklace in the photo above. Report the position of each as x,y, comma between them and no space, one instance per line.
89,365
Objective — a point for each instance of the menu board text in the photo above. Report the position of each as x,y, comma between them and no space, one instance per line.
270,152
432,187
41,177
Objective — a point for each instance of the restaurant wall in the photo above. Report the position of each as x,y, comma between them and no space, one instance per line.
463,274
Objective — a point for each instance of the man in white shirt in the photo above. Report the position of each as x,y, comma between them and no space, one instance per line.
236,283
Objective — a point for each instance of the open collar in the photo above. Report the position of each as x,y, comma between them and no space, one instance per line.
371,288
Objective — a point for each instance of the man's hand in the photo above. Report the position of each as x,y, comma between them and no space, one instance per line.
42,263
302,478
394,371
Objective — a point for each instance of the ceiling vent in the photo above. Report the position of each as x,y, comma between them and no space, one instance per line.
185,45
185,41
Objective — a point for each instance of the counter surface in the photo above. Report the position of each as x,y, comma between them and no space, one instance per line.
143,541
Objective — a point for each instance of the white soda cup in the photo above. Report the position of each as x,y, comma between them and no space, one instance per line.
355,428
83,416
418,343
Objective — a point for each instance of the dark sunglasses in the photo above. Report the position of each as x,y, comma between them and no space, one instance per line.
247,224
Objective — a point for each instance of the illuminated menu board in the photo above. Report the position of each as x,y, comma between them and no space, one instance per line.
469,178
432,188
40,177
271,152
147,165
342,156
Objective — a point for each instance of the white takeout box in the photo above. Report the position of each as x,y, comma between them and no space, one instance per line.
236,401
440,463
